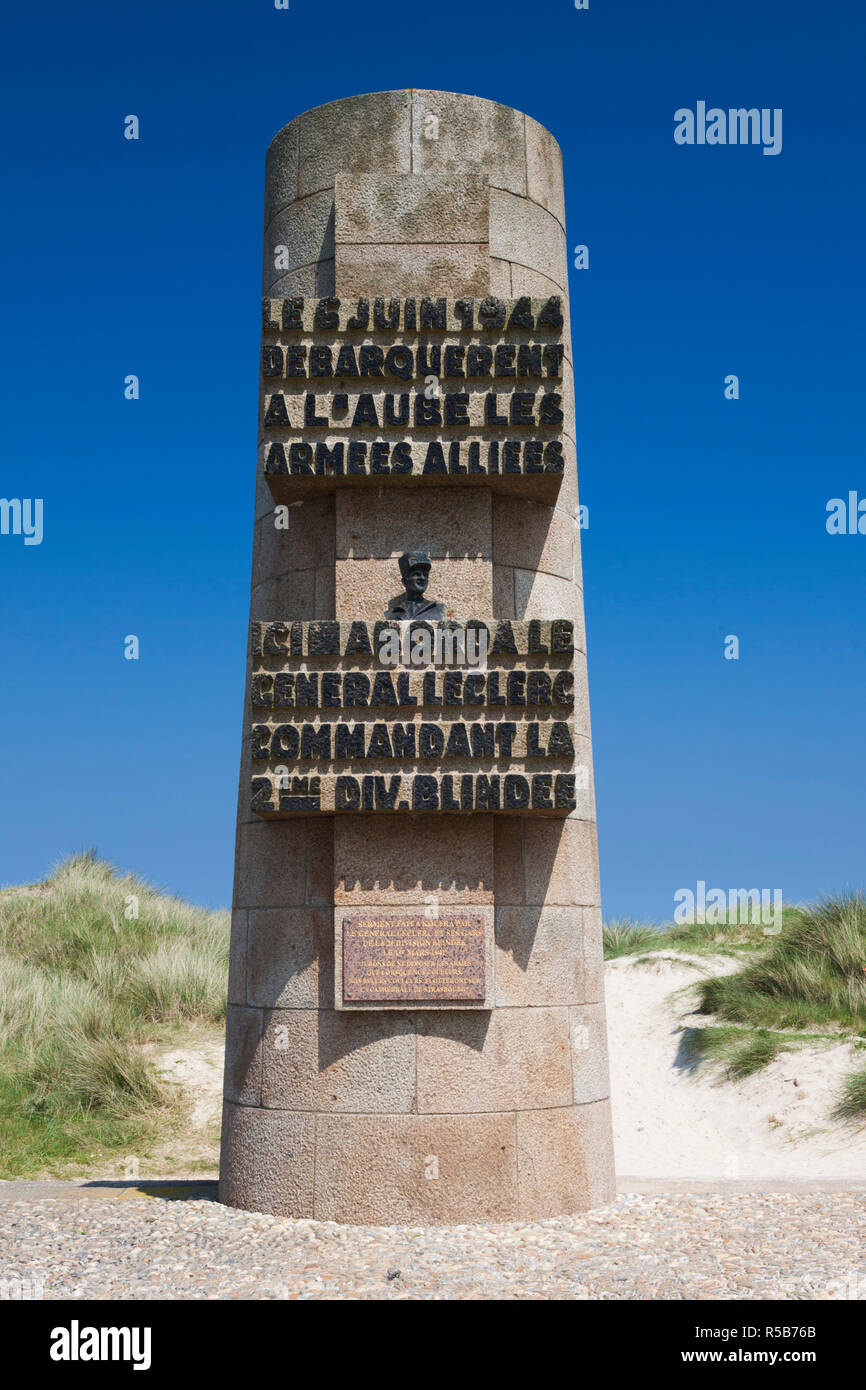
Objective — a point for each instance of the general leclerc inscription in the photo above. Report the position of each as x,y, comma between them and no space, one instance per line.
335,729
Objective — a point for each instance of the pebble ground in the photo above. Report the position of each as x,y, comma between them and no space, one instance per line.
766,1246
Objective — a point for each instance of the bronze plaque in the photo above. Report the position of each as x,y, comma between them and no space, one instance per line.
417,958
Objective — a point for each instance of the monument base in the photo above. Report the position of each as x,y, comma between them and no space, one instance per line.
418,1169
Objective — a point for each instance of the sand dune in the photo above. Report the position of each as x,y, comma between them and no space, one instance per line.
671,1121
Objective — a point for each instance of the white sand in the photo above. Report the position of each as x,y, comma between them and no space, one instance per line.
672,1123
198,1071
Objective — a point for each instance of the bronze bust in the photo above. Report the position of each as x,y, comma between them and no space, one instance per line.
415,573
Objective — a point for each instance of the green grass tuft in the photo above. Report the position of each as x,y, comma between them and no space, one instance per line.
742,1051
852,1106
624,938
812,973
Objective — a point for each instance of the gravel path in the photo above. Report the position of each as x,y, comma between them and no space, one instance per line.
774,1245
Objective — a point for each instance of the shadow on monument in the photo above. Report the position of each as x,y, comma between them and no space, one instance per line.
290,951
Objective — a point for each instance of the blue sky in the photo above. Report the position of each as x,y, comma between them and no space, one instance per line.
707,516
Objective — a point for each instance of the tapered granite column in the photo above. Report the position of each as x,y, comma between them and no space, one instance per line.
391,1115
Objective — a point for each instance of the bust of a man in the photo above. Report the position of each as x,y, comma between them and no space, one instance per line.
415,573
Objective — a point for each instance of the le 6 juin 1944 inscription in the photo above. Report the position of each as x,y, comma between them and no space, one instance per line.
425,390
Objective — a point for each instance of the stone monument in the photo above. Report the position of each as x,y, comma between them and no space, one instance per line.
415,1024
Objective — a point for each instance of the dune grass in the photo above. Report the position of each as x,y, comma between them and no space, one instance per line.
852,1105
727,936
626,938
813,972
743,1051
92,963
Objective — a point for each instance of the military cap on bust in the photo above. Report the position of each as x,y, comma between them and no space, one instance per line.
414,559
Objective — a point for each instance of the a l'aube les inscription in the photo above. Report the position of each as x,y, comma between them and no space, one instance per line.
415,958
429,390
335,730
